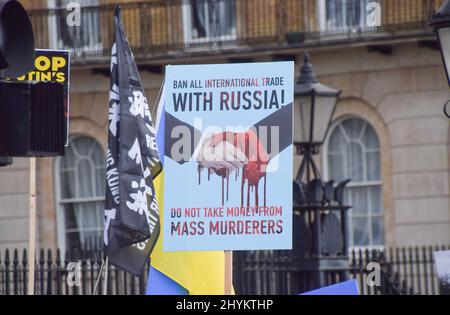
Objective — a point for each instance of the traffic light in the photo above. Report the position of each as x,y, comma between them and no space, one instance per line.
16,40
32,114
31,119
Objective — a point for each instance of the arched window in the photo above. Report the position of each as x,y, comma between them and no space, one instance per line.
353,151
80,193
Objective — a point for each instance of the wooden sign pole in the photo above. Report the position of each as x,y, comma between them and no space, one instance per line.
228,272
32,227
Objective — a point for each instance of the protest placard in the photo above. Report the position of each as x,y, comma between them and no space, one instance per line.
228,157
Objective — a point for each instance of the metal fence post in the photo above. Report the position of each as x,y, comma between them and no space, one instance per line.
7,261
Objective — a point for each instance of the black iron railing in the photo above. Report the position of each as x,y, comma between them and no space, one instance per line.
403,270
53,275
179,28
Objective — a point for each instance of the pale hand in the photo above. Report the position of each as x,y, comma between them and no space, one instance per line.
221,155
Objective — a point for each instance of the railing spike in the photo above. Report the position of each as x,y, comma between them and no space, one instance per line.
16,257
24,270
58,257
49,258
41,256
24,256
67,257
7,261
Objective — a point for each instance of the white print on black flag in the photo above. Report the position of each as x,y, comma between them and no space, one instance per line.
131,209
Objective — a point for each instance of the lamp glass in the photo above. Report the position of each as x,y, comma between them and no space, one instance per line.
444,39
323,110
302,118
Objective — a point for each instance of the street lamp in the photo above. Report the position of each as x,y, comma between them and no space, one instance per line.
314,107
320,217
440,21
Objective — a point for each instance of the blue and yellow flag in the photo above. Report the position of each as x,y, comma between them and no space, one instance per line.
196,272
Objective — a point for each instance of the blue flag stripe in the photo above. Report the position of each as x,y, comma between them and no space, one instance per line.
159,284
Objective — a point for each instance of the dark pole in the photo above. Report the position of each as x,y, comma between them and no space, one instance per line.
318,199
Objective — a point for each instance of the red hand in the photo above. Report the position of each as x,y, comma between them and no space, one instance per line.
253,149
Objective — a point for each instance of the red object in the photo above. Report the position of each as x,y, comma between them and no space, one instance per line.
255,168
255,152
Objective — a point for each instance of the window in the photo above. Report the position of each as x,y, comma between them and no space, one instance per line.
209,20
78,39
353,151
343,14
80,192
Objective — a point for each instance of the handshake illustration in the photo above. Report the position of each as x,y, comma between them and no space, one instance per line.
225,152
228,152
245,153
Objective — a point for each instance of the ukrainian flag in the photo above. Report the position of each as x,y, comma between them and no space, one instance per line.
199,272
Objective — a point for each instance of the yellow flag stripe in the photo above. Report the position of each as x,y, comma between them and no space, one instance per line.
199,272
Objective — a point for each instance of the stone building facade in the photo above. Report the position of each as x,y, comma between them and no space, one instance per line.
388,133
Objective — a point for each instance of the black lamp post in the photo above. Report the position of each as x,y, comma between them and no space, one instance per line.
440,21
315,104
320,217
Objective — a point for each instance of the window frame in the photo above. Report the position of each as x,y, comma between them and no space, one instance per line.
323,19
326,176
53,33
187,28
60,202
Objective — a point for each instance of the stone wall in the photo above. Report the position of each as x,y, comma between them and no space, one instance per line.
14,191
407,91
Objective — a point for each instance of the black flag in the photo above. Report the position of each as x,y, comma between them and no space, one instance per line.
131,210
